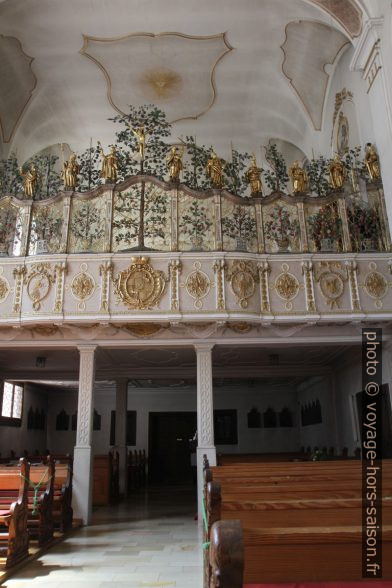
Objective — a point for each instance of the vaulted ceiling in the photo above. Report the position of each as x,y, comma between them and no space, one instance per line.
228,71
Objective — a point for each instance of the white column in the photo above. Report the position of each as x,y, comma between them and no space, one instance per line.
82,475
205,416
121,432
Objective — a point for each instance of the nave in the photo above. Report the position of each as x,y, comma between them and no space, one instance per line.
150,540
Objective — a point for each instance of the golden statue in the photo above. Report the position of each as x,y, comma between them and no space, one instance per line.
140,134
299,178
337,173
109,164
253,176
372,162
215,170
174,163
70,172
30,181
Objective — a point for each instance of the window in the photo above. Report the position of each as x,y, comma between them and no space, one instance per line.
11,404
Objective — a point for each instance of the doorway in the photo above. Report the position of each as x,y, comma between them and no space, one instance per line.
170,448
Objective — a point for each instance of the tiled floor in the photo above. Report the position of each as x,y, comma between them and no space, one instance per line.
151,540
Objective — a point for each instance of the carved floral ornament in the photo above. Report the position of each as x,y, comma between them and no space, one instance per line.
39,281
140,287
4,287
375,285
331,278
243,276
287,286
198,285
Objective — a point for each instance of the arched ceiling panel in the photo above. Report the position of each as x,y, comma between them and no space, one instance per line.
17,84
308,48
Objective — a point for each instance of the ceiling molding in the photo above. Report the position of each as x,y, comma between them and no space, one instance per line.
15,68
171,76
304,69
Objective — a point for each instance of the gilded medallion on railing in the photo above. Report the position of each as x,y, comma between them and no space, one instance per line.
142,218
324,227
46,228
196,223
87,228
281,228
239,227
11,226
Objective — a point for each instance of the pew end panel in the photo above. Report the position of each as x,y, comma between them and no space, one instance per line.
226,555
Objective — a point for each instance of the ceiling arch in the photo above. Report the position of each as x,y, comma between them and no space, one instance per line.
346,12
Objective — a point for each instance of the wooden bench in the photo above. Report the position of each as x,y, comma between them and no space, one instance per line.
14,538
301,514
62,501
106,479
40,498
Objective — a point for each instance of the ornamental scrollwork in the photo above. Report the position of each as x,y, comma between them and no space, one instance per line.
331,278
198,285
286,286
375,285
4,287
140,287
83,286
39,281
243,276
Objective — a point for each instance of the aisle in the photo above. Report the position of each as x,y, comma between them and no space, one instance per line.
151,540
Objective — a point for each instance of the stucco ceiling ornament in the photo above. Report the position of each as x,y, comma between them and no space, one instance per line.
157,68
39,281
331,278
140,287
144,329
243,276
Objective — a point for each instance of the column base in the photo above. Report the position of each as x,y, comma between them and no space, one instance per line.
210,452
82,493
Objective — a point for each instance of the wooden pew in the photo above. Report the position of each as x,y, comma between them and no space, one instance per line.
40,498
14,538
62,501
293,510
105,479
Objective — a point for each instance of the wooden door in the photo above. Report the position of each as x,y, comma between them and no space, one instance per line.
169,447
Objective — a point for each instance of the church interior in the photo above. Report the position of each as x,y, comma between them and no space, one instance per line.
195,267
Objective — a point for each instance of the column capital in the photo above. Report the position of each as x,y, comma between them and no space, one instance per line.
87,348
203,346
